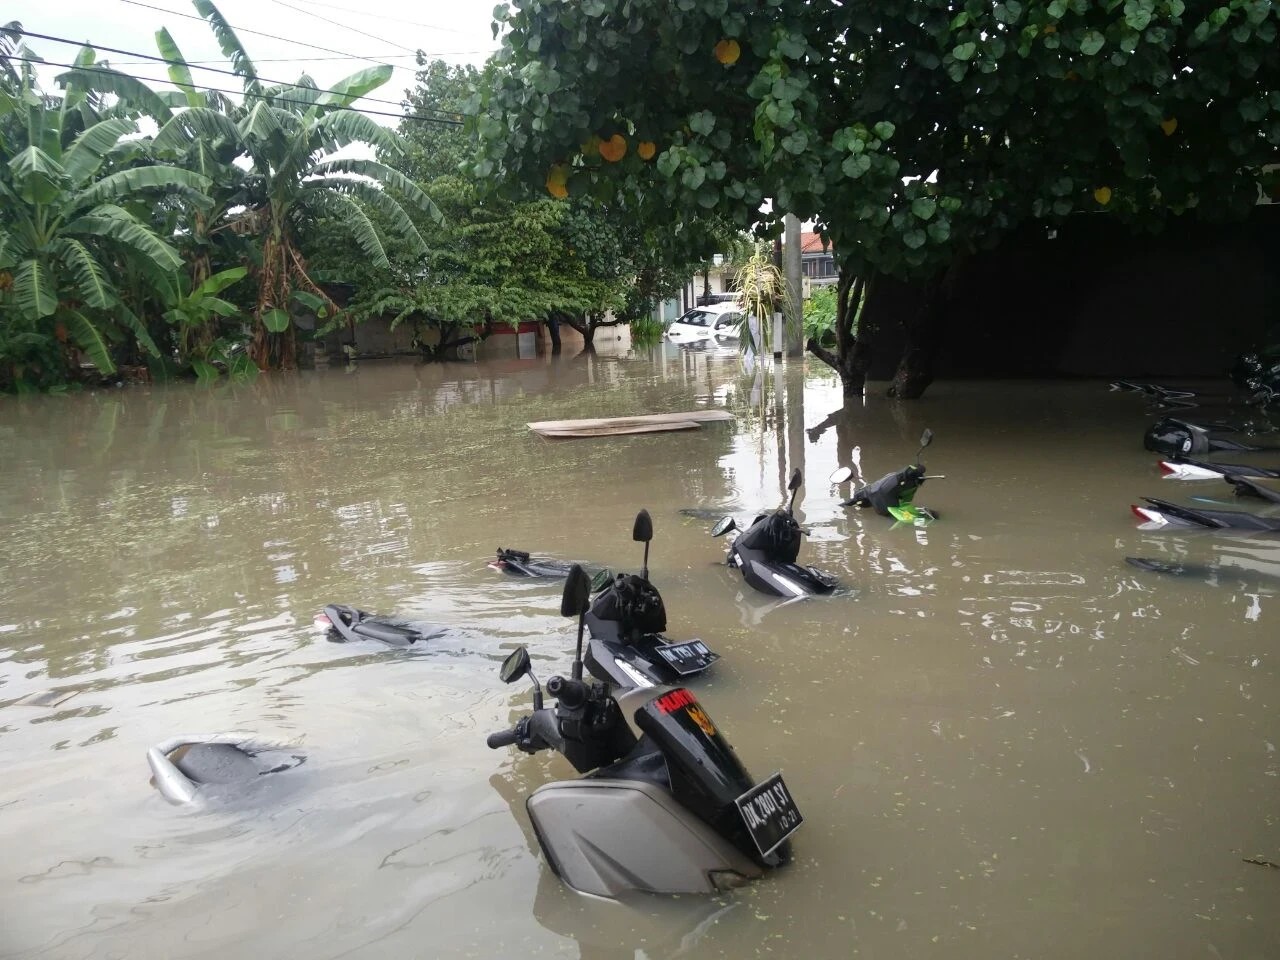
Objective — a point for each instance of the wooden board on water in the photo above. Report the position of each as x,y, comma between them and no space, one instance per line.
47,698
617,426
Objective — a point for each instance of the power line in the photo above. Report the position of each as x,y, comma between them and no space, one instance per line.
208,89
146,57
256,33
386,56
372,36
383,16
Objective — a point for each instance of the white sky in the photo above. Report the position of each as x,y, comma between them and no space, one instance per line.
457,32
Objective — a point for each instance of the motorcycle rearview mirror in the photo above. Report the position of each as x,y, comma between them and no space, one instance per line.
840,475
515,666
574,603
926,438
642,531
793,485
724,526
577,589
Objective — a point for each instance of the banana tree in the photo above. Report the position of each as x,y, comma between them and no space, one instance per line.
289,133
66,230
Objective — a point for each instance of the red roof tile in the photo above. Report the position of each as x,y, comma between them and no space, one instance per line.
811,243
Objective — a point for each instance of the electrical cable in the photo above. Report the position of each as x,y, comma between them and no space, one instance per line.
427,55
256,33
273,98
179,63
371,36
383,16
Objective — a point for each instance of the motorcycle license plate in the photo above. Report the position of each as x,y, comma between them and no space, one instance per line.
769,813
691,656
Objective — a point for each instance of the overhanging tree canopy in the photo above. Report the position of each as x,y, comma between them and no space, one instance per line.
914,132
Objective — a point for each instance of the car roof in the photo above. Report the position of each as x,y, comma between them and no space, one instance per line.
730,306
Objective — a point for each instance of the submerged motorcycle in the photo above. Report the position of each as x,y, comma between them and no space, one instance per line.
1162,513
344,624
664,805
520,563
893,494
1178,438
1185,468
626,620
765,553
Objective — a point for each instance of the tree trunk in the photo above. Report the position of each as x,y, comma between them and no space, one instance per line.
853,336
920,321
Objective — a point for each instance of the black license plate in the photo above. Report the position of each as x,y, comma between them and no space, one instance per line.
769,813
692,656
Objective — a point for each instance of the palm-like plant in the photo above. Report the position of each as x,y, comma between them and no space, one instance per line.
289,134
762,289
66,228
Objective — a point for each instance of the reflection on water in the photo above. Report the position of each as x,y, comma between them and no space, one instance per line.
1005,740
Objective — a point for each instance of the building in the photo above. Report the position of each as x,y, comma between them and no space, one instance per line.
817,261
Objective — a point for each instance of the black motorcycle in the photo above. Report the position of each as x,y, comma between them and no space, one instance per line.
1162,513
766,552
1178,438
627,619
893,494
664,805
521,563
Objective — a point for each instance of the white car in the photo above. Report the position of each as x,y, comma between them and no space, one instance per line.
701,323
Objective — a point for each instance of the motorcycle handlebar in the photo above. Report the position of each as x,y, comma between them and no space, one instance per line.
503,738
571,693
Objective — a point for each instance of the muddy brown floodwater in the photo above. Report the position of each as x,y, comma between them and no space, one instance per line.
1005,741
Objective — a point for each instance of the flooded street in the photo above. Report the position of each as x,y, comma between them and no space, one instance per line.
1005,741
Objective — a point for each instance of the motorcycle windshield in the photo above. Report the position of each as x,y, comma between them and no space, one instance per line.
706,774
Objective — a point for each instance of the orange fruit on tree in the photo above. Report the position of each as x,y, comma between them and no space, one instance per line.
1051,28
1102,195
1169,125
727,51
646,149
614,149
557,177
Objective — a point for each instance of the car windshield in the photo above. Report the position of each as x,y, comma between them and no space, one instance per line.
695,318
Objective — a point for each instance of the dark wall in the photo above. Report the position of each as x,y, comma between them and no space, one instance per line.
1099,301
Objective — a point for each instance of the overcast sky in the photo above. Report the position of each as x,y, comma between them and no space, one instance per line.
384,31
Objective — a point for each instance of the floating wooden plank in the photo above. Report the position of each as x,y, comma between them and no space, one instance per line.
48,698
616,429
617,426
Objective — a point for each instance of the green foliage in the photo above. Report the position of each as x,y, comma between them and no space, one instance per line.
69,186
646,331
820,315
762,289
434,150
913,132
197,314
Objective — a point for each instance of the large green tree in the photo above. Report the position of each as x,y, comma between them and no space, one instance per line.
513,254
914,133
